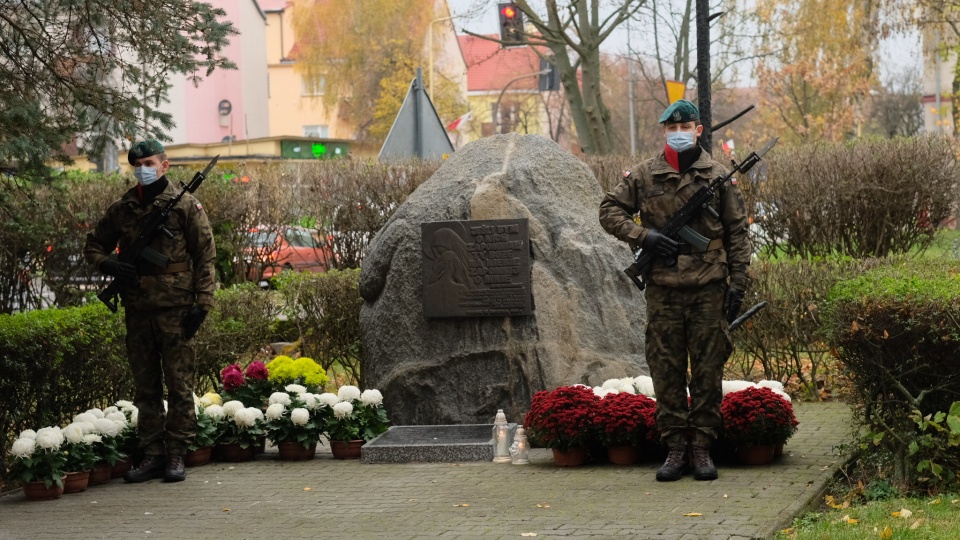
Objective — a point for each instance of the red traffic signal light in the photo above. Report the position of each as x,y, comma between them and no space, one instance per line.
511,24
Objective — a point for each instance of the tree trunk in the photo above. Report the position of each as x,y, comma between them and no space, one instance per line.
703,72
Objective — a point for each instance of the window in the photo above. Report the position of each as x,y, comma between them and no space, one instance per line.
320,132
313,87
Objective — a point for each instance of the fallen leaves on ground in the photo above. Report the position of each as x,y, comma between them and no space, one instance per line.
693,514
528,534
461,505
887,532
903,513
543,506
308,489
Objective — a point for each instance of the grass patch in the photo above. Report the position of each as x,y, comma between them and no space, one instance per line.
927,518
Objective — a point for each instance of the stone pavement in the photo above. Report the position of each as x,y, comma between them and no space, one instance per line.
328,498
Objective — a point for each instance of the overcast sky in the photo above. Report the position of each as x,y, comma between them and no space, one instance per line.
480,16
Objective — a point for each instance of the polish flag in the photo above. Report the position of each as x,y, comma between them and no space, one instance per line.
458,123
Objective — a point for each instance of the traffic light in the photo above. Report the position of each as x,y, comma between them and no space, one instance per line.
549,78
511,24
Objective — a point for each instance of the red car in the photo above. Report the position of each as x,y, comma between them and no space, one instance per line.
269,250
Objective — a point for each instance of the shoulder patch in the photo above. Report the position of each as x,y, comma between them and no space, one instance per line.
733,181
626,174
199,207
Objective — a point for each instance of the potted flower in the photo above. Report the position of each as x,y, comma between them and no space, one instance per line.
357,417
294,422
240,433
755,420
200,448
620,425
250,386
37,461
128,439
81,458
108,448
562,420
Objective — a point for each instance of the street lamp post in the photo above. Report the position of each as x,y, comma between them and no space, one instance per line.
430,47
496,109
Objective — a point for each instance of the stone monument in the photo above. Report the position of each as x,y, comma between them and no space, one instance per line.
587,317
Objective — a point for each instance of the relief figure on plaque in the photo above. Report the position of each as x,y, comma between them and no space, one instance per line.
449,278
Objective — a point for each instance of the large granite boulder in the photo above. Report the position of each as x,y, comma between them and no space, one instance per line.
587,319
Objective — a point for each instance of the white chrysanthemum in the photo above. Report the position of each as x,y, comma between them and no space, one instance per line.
372,398
110,410
107,427
125,405
91,438
230,408
280,397
85,417
299,416
736,386
626,388
49,438
776,386
601,392
96,412
73,433
644,385
214,411
196,399
295,388
23,447
196,409
275,411
205,401
166,406
610,383
245,417
117,417
310,400
257,413
135,418
328,399
348,393
88,427
28,434
343,409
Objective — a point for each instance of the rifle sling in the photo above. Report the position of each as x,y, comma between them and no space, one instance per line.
172,268
686,249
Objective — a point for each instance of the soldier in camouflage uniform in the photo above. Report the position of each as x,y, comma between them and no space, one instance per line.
163,307
689,304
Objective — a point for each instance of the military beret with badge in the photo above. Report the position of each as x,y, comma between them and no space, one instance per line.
680,111
144,149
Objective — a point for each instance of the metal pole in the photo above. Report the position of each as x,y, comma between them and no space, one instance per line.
703,72
936,77
418,124
496,108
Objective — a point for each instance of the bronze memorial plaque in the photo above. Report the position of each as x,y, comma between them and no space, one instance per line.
476,268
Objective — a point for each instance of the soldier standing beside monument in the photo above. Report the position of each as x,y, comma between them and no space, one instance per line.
691,302
163,307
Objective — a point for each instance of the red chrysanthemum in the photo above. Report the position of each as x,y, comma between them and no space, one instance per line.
757,416
257,371
232,377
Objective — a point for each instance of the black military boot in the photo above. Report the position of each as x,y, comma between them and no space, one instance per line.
674,467
703,467
176,471
149,468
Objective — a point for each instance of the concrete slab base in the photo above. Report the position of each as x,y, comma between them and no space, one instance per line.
432,444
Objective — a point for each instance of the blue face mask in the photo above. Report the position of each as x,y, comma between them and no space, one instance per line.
145,175
680,140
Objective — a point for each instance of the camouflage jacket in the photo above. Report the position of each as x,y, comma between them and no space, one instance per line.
192,242
655,191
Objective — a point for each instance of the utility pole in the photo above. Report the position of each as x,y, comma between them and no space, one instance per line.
633,128
703,72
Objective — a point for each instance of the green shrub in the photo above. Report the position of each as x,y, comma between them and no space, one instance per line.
326,309
897,331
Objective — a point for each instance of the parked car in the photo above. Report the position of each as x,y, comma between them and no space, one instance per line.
269,250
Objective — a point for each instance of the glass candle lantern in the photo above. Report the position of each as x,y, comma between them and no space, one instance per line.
520,449
501,439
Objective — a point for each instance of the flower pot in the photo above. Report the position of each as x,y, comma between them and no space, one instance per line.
294,451
75,482
623,454
234,453
261,445
777,450
101,474
121,467
757,454
200,456
573,457
346,449
36,491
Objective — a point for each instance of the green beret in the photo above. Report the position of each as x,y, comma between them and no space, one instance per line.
144,149
680,111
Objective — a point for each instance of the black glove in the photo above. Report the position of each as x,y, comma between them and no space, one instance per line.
731,304
192,320
125,272
663,245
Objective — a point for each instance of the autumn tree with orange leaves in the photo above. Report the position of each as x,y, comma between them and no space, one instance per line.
816,82
367,52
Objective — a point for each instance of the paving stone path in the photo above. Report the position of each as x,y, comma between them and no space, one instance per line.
328,498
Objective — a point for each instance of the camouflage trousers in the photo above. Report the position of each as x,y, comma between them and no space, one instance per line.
159,355
686,330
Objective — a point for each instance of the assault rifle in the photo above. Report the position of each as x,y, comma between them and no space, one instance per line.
676,226
154,223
